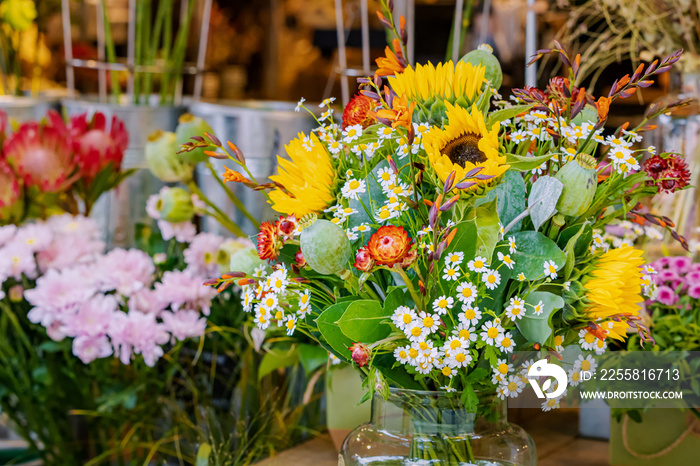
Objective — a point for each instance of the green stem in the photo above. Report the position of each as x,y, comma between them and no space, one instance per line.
167,44
152,47
232,196
417,298
220,216
111,53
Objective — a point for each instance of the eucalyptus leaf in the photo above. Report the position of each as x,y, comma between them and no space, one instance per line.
532,250
511,195
312,357
523,163
486,225
543,198
537,328
330,331
363,322
507,114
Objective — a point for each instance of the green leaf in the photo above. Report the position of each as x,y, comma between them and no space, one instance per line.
533,249
522,164
485,218
465,239
570,250
203,455
543,198
584,239
386,362
327,325
507,114
537,328
276,359
511,195
395,298
362,321
312,357
125,398
469,398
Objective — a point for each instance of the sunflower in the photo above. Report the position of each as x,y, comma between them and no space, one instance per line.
465,144
445,82
307,178
614,286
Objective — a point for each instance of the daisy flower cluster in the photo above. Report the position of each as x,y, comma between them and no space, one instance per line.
109,304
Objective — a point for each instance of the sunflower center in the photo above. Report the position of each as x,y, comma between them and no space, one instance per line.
464,149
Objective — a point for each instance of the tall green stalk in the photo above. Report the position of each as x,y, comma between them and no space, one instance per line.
111,53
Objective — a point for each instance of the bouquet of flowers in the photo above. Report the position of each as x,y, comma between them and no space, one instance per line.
430,235
49,167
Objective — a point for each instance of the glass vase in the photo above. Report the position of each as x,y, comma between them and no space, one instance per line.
434,428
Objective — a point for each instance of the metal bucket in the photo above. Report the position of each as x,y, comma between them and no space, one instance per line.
118,212
22,109
260,129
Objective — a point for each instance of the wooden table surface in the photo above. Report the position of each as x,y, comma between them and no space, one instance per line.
555,435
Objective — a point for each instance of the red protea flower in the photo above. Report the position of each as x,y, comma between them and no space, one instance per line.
358,111
360,354
363,260
42,153
96,148
389,245
558,89
269,241
9,192
669,174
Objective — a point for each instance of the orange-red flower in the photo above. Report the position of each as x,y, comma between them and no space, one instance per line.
392,63
363,260
358,111
269,241
389,245
233,175
400,114
603,106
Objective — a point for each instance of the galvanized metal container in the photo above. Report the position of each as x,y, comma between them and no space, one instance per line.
260,129
27,108
118,212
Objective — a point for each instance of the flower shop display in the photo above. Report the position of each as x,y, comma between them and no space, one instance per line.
430,235
51,166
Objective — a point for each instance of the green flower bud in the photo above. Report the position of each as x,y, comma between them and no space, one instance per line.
227,249
163,160
326,247
189,126
175,205
245,260
484,56
580,181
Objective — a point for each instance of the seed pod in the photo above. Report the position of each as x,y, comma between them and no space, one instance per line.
326,247
164,161
188,127
580,181
175,205
245,260
484,56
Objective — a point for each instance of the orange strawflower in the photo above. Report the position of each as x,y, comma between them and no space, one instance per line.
269,241
389,245
358,111
233,175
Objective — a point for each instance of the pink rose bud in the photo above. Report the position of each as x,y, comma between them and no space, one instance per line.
360,354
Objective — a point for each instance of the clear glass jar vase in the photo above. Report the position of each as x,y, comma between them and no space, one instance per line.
433,428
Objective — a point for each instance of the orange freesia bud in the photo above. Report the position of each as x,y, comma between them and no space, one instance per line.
603,106
211,153
245,281
427,202
233,175
236,152
451,236
438,201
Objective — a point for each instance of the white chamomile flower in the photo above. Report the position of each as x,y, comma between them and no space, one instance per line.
290,322
550,269
269,302
651,150
505,343
511,244
415,331
430,321
334,147
448,389
401,354
567,286
501,229
501,390
451,274
442,304
304,303
470,315
454,258
521,277
466,292
353,188
559,343
421,128
327,115
326,102
574,377
403,316
478,265
502,367
586,364
491,278
351,234
490,332
362,228
426,351
459,358
307,144
538,308
351,133
466,332
385,132
513,386
454,343
506,260
247,300
649,270
551,403
516,308
299,104
586,340
615,141
262,320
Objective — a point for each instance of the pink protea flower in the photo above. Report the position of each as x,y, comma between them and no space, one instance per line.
95,148
42,153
